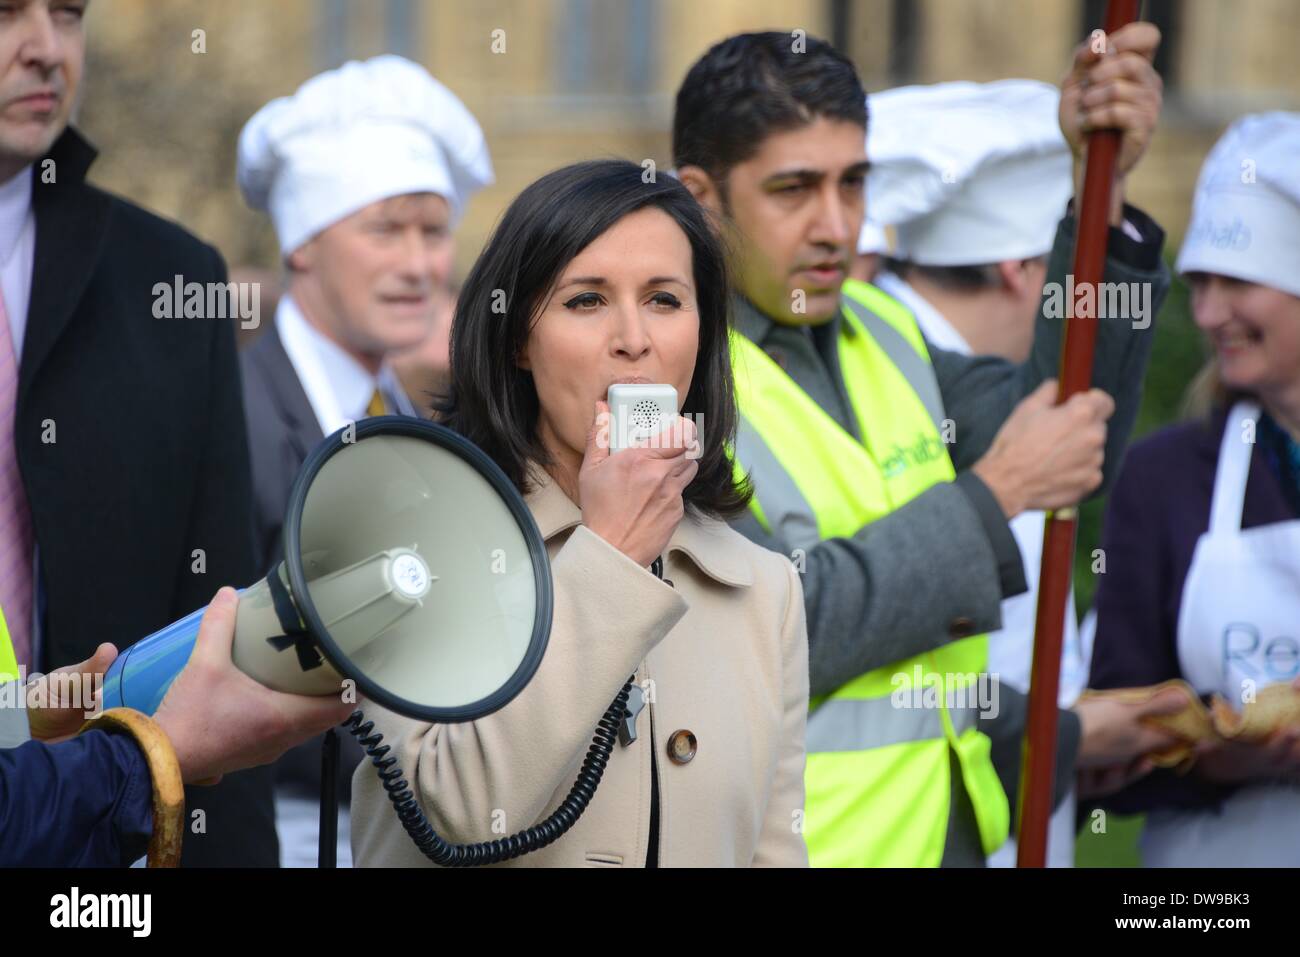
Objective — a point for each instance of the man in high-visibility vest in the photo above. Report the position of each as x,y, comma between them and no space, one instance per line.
888,469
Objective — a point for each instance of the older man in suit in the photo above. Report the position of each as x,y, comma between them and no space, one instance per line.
124,475
364,171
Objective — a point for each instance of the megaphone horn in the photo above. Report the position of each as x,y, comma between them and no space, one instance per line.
412,567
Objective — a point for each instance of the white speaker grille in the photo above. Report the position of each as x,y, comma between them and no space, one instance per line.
645,414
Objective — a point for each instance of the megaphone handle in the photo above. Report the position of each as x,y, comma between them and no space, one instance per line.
327,854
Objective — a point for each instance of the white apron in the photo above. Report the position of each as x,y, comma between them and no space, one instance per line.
1239,622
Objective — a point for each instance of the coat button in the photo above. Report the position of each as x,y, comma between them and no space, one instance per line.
961,627
681,747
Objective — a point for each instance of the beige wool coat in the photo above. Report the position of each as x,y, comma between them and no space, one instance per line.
723,651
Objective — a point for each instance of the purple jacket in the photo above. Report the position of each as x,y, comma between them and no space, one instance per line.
1158,509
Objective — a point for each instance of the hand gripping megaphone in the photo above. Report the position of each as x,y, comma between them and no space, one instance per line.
412,567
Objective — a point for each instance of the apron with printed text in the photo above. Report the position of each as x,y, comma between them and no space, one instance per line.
1238,629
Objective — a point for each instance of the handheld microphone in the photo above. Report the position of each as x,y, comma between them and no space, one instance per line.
638,411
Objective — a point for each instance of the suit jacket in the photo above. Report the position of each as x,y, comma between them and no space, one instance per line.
282,431
721,638
130,438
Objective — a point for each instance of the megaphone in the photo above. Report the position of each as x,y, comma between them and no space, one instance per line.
412,567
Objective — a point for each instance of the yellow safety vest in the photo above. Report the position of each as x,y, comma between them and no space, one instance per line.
8,660
878,771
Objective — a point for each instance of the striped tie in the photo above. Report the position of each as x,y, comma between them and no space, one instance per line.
15,516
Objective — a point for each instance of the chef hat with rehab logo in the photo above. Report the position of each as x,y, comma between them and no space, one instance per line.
1246,210
967,173
354,136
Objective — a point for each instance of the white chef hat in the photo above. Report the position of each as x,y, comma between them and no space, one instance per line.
1246,211
967,173
353,136
872,238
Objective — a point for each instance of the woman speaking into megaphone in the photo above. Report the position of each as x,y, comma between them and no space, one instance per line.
595,278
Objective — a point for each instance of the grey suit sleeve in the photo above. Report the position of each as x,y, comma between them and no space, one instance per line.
1006,731
910,581
979,392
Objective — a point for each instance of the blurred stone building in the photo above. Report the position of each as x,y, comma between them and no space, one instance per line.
171,83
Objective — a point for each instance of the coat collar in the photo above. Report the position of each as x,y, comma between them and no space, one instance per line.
709,543
755,325
73,154
71,224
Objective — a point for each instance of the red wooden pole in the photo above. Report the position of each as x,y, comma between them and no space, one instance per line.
1038,758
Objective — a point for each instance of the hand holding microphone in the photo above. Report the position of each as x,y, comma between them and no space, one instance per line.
633,498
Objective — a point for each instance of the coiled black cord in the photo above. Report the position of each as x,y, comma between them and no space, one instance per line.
507,848
516,845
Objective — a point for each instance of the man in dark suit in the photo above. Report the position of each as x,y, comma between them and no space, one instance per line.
364,171
126,484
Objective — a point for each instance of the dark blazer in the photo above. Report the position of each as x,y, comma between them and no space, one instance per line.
130,439
282,430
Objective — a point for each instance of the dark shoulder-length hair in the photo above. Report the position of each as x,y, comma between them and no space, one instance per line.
493,402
